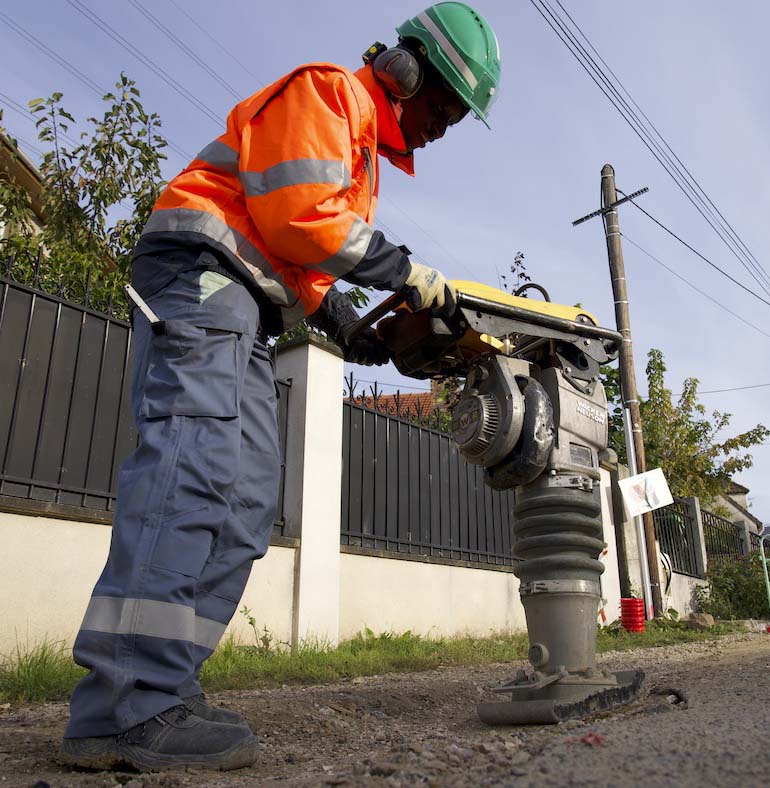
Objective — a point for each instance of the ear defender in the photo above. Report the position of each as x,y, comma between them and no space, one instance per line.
396,69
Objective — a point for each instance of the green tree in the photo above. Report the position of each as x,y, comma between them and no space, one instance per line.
616,439
113,169
682,439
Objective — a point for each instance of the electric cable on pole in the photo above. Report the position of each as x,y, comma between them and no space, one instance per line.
632,421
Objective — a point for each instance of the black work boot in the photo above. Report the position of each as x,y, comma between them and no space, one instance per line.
93,752
173,739
200,707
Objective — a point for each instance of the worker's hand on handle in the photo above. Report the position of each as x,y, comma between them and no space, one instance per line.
335,312
365,348
427,288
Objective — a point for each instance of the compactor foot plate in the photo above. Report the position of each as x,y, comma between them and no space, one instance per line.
548,711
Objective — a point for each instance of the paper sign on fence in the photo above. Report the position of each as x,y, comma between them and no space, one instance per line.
645,492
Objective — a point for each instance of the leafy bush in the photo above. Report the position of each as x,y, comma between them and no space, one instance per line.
83,251
736,589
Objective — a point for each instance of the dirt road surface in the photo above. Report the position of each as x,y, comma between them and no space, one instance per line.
421,729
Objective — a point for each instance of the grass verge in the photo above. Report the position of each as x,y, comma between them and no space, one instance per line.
47,672
36,673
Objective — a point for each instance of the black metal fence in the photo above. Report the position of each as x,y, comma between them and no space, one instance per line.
65,421
677,533
406,489
754,541
722,538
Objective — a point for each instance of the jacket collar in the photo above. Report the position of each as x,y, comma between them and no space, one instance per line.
390,140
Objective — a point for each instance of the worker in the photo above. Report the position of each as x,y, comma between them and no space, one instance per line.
242,245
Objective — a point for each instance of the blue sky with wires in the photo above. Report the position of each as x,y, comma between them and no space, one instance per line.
696,68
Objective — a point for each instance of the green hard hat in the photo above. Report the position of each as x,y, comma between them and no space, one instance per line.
463,48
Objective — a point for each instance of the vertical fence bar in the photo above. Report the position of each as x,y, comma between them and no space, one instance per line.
99,380
19,381
44,410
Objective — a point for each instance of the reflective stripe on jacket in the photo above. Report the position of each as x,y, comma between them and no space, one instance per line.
289,191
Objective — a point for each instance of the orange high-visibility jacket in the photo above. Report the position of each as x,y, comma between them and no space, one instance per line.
289,191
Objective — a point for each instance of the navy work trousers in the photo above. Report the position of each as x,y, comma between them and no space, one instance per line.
195,504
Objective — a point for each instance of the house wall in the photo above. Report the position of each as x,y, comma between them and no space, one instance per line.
738,514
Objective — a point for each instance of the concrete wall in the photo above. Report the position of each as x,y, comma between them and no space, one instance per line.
610,580
680,594
392,595
307,586
48,568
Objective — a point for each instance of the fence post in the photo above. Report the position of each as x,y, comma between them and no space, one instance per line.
313,478
744,534
699,538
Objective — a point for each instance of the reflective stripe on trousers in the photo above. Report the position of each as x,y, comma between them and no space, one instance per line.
195,505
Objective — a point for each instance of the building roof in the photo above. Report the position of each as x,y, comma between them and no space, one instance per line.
400,404
16,165
736,489
744,511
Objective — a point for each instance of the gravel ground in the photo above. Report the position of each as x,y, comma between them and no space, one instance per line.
421,728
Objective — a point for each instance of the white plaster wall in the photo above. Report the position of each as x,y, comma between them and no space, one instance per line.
391,595
48,568
680,593
610,579
313,473
47,571
269,594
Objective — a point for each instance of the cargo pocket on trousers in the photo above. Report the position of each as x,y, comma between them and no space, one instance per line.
193,370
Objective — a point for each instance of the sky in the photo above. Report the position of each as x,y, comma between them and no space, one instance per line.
697,68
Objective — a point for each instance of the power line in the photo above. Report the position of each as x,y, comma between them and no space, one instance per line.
429,236
36,42
27,143
737,388
100,92
226,50
694,287
25,113
696,252
671,167
691,177
142,58
189,52
588,64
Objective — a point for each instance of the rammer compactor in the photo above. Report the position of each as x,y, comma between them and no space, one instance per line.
533,413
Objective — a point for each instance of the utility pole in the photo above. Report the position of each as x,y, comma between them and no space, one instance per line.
632,422
630,395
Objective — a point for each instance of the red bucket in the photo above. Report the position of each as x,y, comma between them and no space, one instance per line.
632,614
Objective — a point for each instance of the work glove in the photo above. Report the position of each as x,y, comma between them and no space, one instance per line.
427,288
337,311
366,348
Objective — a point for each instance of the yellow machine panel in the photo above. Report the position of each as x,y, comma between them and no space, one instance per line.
531,304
